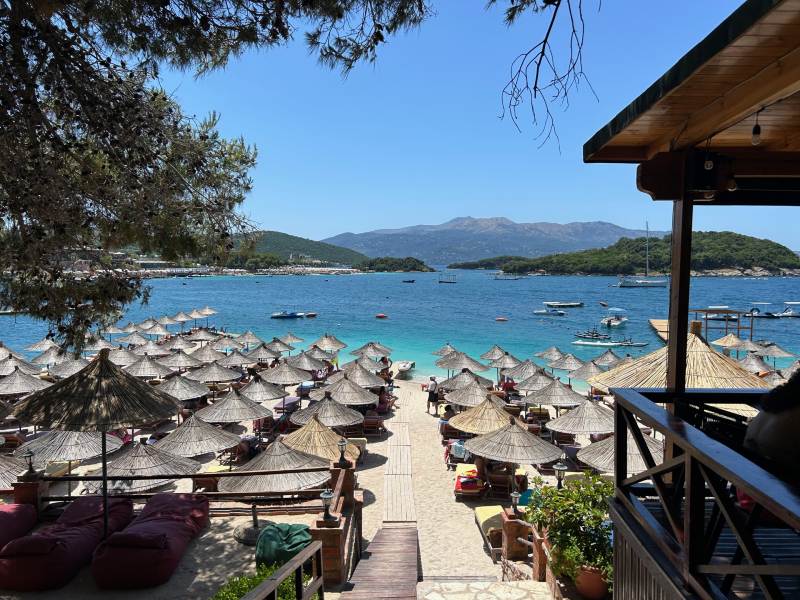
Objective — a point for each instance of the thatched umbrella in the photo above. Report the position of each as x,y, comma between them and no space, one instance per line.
195,437
463,379
493,353
774,351
550,354
259,390
305,362
129,328
207,311
290,338
10,469
705,368
365,363
523,370
225,343
68,446
754,363
42,345
147,368
248,338
152,349
123,357
178,342
166,321
329,343
372,349
728,341
486,417
606,359
278,346
207,354
357,375
747,346
791,369
196,314
278,457
157,330
320,354
316,439
585,372
11,363
600,455
262,354
213,373
101,397
444,350
233,407
568,362
180,360
20,383
346,391
774,379
469,395
145,459
590,417
181,317
514,444
285,374
112,330
329,412
456,361
506,361
535,382
5,352
236,359
201,335
132,339
146,324
52,356
556,394
97,345
183,389
67,368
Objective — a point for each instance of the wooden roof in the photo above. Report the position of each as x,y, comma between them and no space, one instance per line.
750,62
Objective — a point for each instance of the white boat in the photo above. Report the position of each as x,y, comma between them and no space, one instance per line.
404,368
725,314
610,343
554,304
646,281
790,310
616,318
758,311
549,312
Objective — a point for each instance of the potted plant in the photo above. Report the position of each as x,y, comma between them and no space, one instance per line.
578,531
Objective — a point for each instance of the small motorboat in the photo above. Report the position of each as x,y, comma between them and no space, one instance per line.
554,304
725,314
610,343
501,319
629,343
603,303
757,311
381,316
616,318
285,314
550,312
790,310
409,280
404,368
311,315
592,334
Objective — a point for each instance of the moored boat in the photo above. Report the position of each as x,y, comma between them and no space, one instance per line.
285,314
592,334
549,312
556,304
404,368
616,318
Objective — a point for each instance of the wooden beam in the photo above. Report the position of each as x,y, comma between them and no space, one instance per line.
776,81
679,294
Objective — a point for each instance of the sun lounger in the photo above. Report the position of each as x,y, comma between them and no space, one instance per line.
490,521
373,425
147,552
467,483
50,557
15,521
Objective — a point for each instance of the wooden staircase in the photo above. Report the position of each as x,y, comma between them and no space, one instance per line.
389,567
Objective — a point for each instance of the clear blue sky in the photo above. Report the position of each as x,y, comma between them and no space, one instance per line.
416,138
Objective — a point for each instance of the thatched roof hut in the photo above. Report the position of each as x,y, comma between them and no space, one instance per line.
600,455
329,412
316,439
513,443
486,417
234,407
195,437
589,417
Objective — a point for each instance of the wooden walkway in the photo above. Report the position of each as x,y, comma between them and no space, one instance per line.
389,568
397,487
661,327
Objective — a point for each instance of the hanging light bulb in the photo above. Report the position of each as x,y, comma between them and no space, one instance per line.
708,195
756,138
732,185
708,165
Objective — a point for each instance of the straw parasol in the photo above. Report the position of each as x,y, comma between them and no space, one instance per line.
234,407
259,390
590,417
278,457
365,363
587,371
754,363
463,379
373,347
207,311
201,335
357,375
248,338
556,394
747,346
129,328
11,363
774,379
278,346
568,362
236,359
57,445
458,360
97,345
523,370
600,455
290,338
444,350
146,324
789,371
305,362
67,368
207,354
213,373
606,359
285,374
329,343
182,317
180,360
316,439
122,357
20,382
347,392
177,342
728,341
705,368
514,444
195,437
329,412
144,459
51,356
10,469
320,354
506,361
152,349
196,314
166,320
147,368
183,389
535,382
5,352
225,343
132,339
486,417
493,353
263,354
112,330
774,351
42,345
157,329
550,354
469,395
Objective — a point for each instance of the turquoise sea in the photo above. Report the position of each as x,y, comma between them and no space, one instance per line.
424,315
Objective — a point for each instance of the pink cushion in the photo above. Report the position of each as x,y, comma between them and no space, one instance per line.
15,520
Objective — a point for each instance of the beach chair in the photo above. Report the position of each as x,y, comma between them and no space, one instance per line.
373,425
455,453
489,520
467,484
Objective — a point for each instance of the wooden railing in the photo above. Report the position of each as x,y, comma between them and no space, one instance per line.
268,589
693,492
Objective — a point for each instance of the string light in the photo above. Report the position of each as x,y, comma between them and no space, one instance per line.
708,164
756,138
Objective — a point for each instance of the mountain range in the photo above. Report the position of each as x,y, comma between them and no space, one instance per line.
468,238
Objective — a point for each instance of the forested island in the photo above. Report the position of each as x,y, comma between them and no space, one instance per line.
388,264
713,252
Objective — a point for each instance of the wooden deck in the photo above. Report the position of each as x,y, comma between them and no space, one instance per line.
389,568
661,327
397,486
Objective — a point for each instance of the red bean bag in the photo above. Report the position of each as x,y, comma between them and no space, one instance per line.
15,520
51,556
148,551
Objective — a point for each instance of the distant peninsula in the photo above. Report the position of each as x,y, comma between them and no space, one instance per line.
721,253
388,264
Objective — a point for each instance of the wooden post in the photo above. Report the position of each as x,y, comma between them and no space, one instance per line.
679,294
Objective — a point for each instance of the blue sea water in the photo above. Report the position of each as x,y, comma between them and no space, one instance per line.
424,315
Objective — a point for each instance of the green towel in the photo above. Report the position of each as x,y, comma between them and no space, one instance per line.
278,543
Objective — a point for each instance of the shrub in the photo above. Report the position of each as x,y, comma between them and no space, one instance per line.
236,587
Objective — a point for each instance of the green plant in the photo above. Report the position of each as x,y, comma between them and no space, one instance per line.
236,587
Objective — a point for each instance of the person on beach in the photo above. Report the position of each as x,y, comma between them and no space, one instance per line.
433,395
446,416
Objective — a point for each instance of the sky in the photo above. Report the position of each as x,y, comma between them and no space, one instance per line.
416,137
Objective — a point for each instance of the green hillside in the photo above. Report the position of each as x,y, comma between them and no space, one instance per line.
710,250
388,264
284,245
